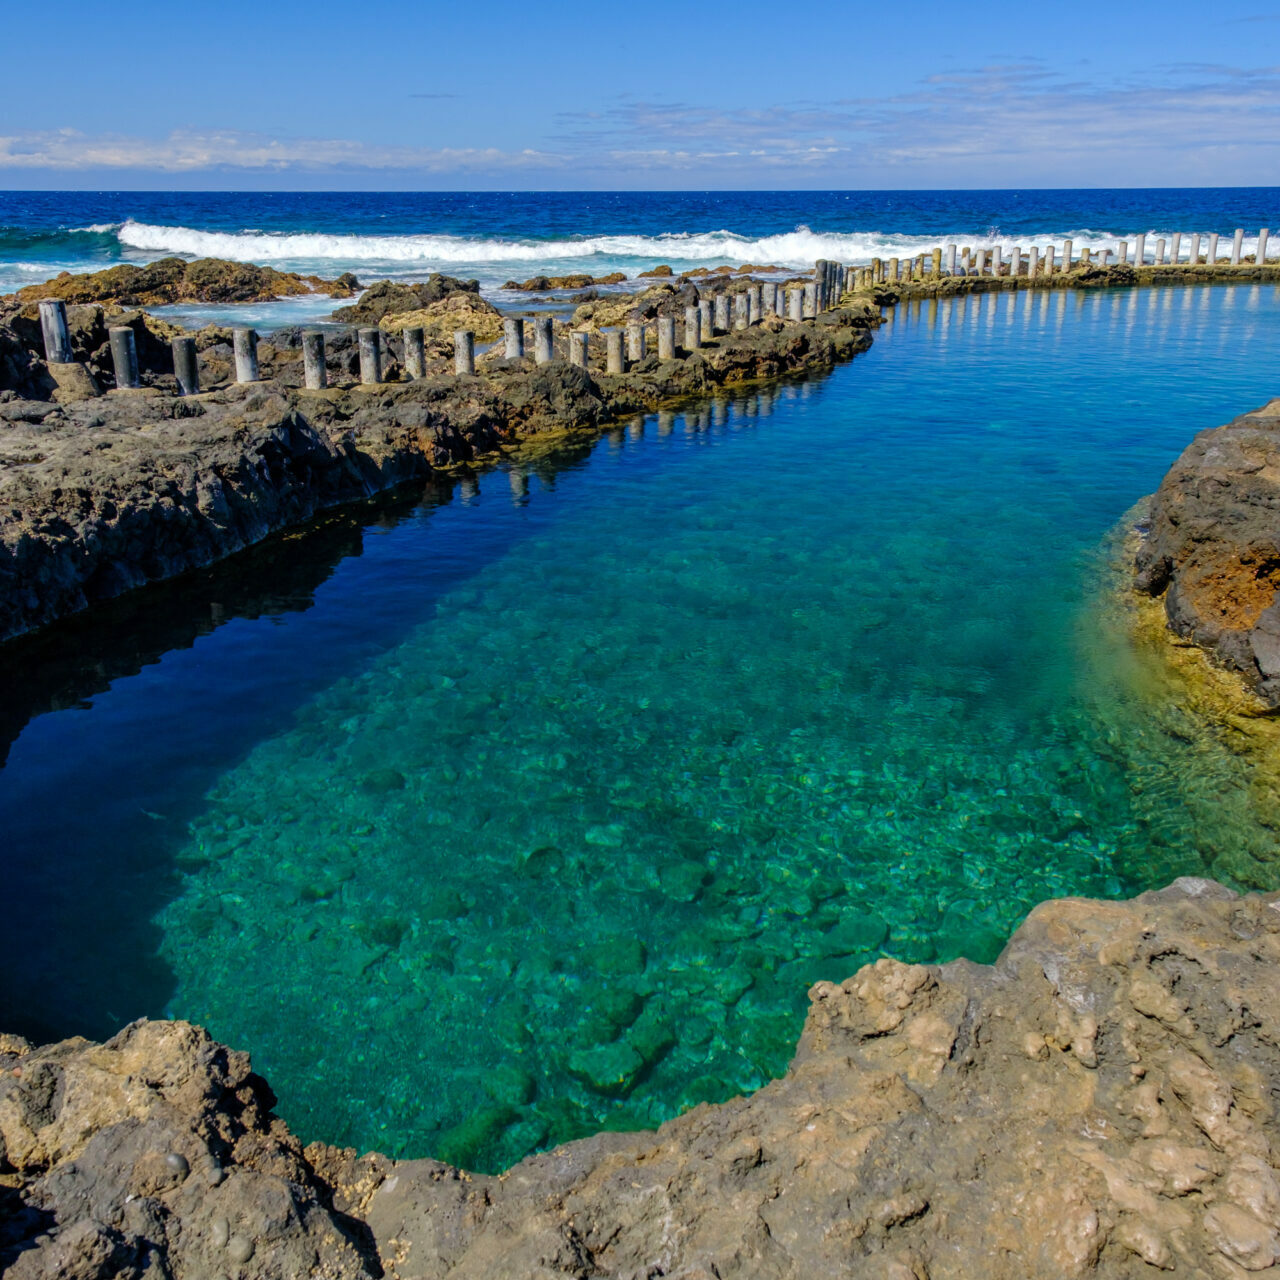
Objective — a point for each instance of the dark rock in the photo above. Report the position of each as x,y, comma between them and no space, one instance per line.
1212,546
387,297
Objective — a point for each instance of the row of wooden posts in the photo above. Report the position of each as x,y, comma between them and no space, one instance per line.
951,259
794,300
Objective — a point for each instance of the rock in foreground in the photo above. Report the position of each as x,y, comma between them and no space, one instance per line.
1099,1102
1213,546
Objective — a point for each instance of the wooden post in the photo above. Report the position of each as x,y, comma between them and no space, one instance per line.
613,352
314,372
415,353
795,303
740,308
666,337
937,261
464,352
370,356
893,270
544,347
244,343
513,334
124,356
635,342
185,366
810,301
53,325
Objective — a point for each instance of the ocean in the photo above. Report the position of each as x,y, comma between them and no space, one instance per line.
495,237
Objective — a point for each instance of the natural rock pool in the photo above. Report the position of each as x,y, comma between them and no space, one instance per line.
525,811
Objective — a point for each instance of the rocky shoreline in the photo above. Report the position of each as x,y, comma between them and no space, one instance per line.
1211,547
104,493
1098,1102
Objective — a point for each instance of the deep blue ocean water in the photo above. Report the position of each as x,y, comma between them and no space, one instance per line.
496,236
490,815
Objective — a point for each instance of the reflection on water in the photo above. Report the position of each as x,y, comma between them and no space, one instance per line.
548,809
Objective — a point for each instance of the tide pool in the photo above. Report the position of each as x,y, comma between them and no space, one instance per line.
541,814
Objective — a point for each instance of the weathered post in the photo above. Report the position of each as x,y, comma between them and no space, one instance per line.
753,304
667,337
464,352
635,341
1261,256
795,304
415,353
820,279
850,279
966,263
578,347
1085,255
1159,253
810,301
370,356
982,261
706,319
1195,249
513,335
876,266
544,347
1066,255
1048,260
893,270
769,298
1175,250
740,311
951,259
613,361
692,328
722,312
1015,262
1237,243
53,324
185,366
1140,249
1213,249
1033,263
997,260
936,268
1122,252
124,355
315,375
244,343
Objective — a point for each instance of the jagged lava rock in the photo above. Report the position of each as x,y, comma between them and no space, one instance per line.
1212,548
1100,1102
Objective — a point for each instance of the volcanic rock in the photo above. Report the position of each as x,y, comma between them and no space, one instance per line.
1100,1102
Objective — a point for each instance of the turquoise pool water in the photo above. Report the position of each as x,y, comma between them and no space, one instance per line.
546,809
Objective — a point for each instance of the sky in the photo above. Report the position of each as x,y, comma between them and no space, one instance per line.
657,96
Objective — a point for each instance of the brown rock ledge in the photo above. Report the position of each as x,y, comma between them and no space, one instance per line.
1212,548
1100,1102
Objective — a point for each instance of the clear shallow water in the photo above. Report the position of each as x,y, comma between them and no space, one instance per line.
542,812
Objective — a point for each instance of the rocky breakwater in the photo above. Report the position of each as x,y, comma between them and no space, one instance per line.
101,493
1101,1101
1211,547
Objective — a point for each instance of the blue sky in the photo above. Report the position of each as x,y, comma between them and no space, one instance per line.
508,96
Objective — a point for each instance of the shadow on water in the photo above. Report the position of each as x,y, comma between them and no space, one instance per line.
92,880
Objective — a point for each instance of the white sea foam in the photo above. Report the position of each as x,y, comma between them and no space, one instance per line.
99,227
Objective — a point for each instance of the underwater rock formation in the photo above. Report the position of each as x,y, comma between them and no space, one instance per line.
1100,1102
1212,548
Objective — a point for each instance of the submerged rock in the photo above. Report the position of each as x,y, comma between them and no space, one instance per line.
1096,1103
